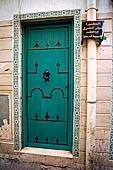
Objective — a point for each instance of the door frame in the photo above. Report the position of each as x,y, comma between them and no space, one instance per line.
17,70
44,25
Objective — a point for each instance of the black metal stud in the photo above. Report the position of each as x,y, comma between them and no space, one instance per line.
57,117
36,115
46,139
36,138
47,116
57,140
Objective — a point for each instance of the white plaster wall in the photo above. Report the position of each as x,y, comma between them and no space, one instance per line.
7,9
104,6
10,7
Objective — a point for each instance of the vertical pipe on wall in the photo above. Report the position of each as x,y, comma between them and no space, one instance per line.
91,90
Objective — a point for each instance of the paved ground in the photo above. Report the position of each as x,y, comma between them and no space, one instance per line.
6,164
14,164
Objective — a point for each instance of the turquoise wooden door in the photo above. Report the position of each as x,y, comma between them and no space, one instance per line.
47,86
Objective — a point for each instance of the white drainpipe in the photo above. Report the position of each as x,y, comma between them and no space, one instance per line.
91,90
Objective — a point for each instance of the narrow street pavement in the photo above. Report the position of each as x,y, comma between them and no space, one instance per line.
14,164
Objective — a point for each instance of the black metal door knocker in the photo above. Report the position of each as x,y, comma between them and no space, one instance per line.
46,75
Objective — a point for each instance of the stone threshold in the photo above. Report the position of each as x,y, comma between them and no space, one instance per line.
47,152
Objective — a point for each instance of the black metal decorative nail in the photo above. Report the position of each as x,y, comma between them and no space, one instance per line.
57,140
47,116
36,138
36,115
46,139
57,117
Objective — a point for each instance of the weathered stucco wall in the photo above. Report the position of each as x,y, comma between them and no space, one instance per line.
6,81
104,6
103,94
10,7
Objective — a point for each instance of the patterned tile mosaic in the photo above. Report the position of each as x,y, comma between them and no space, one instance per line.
77,64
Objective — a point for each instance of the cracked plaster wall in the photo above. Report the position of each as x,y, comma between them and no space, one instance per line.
5,128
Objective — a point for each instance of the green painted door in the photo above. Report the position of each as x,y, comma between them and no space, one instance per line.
48,86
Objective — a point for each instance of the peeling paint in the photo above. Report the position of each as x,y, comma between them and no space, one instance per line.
5,130
4,108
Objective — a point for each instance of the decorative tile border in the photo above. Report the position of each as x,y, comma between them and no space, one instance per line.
111,134
16,83
77,73
77,77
